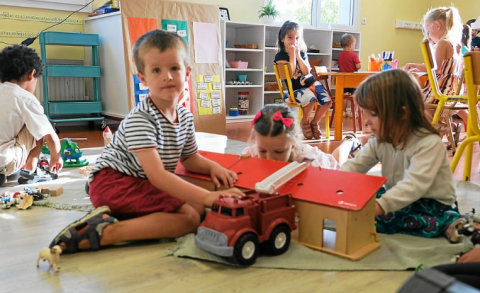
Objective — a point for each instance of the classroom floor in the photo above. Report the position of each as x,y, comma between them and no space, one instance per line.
141,266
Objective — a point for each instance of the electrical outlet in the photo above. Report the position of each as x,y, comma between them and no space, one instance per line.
364,20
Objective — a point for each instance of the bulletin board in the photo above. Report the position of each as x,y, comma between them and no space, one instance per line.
199,25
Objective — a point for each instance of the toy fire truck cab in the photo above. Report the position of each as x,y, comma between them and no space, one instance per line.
235,228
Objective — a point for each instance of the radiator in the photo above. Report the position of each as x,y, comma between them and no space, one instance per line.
63,88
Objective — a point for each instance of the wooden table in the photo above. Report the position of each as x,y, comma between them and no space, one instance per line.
344,80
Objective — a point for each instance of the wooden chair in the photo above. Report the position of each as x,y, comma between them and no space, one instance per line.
451,100
356,112
285,72
472,81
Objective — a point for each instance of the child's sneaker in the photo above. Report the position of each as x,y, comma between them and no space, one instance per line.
452,231
29,177
356,145
317,134
306,130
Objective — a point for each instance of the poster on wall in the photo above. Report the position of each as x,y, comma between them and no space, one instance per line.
205,42
209,93
176,26
204,52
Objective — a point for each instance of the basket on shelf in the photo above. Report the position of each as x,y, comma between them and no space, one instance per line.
239,64
271,86
246,46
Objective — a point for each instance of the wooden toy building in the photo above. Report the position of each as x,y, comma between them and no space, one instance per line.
319,194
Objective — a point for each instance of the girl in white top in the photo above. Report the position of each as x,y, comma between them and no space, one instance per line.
420,196
275,136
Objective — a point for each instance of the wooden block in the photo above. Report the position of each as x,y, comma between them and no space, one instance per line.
89,168
45,189
86,173
82,170
56,190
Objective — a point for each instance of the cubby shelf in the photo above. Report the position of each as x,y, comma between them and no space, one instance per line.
260,61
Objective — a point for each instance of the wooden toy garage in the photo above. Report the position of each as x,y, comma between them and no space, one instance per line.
346,198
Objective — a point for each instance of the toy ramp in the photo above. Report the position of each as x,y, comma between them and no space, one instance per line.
28,202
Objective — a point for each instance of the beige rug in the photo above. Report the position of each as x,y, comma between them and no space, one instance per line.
396,253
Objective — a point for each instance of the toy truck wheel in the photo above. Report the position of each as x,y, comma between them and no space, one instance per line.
245,251
279,240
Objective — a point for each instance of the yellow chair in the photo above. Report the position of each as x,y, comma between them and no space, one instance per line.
451,100
284,72
472,81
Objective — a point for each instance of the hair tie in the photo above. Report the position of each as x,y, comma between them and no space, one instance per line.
255,119
286,121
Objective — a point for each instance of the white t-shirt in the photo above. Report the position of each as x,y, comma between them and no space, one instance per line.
18,108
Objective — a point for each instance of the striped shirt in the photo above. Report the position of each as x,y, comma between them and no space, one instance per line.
146,127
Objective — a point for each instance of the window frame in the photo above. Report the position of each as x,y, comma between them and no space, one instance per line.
316,6
65,5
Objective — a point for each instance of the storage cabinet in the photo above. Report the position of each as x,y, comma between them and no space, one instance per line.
260,61
71,110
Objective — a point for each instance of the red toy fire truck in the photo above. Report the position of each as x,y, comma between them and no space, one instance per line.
235,228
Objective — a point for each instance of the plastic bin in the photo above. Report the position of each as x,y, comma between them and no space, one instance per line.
239,64
210,142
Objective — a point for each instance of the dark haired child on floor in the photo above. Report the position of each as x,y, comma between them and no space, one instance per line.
24,124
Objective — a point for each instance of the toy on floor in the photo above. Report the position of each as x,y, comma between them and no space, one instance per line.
348,199
70,153
235,228
107,136
20,199
10,199
39,175
86,170
37,194
472,216
52,255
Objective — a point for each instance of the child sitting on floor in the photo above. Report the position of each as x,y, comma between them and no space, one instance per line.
419,198
133,179
24,126
275,137
308,92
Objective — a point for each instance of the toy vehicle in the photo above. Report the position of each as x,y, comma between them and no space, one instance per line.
70,153
8,200
235,228
43,163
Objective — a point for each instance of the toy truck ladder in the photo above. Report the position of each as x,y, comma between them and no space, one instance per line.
270,184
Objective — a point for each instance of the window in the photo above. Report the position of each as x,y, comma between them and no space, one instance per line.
335,14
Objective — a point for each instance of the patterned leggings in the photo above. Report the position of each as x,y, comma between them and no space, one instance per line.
425,218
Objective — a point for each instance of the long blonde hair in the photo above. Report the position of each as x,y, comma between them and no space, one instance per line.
451,19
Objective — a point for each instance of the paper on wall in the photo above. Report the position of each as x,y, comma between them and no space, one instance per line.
178,26
208,98
205,42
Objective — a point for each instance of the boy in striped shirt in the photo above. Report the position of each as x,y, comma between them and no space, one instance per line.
132,185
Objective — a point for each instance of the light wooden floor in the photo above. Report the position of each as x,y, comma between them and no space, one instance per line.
140,267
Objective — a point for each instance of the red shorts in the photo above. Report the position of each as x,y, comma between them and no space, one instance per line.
129,197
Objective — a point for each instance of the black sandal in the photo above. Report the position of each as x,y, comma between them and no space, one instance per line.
95,224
